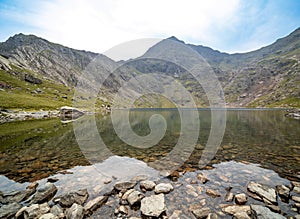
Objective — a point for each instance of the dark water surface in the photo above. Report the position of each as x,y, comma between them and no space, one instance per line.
262,145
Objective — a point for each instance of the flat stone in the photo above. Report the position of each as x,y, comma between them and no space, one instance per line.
7,211
263,191
94,204
68,199
123,209
241,199
153,206
296,198
201,213
135,197
296,189
16,196
44,194
147,185
241,215
75,212
274,208
283,191
163,188
124,185
262,212
212,193
48,216
233,209
33,211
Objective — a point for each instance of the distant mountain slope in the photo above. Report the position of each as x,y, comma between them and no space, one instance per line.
268,77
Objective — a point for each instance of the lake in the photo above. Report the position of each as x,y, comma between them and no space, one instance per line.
258,144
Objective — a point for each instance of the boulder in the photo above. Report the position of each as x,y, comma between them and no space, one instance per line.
8,211
94,204
57,211
163,188
201,213
16,196
233,209
153,206
33,211
124,185
135,197
32,79
241,199
75,212
68,199
262,212
48,216
67,112
263,191
44,194
147,185
283,191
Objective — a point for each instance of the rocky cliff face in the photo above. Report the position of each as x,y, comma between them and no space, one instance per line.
269,76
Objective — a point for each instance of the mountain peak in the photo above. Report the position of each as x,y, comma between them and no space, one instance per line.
175,39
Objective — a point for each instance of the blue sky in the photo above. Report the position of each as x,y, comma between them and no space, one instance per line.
97,25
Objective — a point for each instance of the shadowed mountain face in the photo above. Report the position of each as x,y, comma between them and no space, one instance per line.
267,77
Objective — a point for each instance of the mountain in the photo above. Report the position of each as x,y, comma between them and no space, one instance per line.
36,73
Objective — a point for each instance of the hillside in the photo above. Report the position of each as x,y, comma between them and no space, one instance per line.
36,73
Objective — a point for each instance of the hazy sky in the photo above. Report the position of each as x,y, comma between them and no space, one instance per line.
97,25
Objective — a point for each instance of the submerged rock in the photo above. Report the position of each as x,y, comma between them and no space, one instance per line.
212,193
233,209
163,188
265,192
241,199
124,185
153,206
68,199
16,196
262,212
75,212
8,211
201,213
283,191
44,194
94,204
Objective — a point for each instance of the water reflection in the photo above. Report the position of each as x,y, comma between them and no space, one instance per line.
32,150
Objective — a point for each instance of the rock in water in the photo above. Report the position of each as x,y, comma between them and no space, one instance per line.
16,196
263,191
163,188
7,211
75,212
240,199
68,199
124,185
283,191
233,209
135,197
94,204
201,213
262,212
44,194
147,185
153,206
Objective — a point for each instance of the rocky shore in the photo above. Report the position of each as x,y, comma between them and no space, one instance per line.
293,113
142,197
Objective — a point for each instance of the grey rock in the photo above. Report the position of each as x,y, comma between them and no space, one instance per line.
241,199
75,212
44,194
163,188
147,185
68,199
135,197
263,191
262,212
94,204
229,197
124,185
8,211
32,79
48,216
201,213
153,206
16,196
57,211
233,209
33,211
241,215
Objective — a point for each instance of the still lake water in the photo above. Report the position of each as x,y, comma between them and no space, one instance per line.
261,145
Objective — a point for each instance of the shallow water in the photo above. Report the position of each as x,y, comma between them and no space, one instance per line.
258,145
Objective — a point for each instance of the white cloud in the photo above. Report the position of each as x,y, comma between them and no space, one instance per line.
99,25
